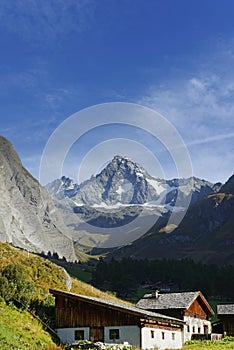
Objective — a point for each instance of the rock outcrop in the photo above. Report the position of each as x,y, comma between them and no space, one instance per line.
28,217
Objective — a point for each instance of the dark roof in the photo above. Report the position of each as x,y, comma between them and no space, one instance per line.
171,301
116,305
225,309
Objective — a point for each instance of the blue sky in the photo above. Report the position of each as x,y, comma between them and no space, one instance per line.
176,57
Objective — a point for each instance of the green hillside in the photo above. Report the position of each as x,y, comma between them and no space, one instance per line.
27,278
44,274
20,330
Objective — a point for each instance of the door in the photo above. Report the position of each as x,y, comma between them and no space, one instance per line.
206,329
96,334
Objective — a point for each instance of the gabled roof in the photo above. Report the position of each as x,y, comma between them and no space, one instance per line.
118,306
172,301
225,309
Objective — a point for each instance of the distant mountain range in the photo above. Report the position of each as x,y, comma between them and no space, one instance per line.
122,210
117,196
28,217
124,182
205,234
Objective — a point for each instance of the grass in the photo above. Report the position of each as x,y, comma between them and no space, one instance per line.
19,330
45,274
81,271
80,287
226,343
219,197
41,272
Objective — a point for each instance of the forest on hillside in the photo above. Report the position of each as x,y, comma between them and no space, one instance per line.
127,276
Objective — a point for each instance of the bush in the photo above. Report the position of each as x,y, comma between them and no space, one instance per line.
15,286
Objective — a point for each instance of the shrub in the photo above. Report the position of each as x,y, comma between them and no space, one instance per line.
14,284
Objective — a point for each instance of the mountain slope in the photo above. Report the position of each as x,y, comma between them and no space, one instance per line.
126,182
18,329
206,233
45,274
28,217
122,202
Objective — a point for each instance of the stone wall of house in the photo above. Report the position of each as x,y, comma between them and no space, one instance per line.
161,339
195,326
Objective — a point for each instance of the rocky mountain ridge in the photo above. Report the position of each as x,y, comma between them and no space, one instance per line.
28,217
32,220
103,210
205,233
124,182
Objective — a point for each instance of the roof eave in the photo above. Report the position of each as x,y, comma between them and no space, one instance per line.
117,307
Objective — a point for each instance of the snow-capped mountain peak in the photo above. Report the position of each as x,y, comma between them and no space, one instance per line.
64,187
125,182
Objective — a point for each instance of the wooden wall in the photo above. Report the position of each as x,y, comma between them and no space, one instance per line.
228,324
177,313
78,313
196,309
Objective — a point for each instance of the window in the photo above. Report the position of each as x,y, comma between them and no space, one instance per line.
152,334
163,335
79,334
173,336
193,329
114,334
199,330
188,328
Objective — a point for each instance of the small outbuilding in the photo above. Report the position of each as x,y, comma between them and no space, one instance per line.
191,307
225,313
82,317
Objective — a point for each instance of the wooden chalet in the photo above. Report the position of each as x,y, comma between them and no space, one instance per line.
226,315
191,307
82,317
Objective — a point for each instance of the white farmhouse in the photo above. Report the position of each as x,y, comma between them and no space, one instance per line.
191,307
81,317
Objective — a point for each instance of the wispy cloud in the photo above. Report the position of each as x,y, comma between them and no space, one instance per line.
202,109
203,103
25,80
55,97
39,101
221,137
32,131
45,20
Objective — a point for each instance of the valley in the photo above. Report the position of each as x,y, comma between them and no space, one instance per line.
122,211
123,232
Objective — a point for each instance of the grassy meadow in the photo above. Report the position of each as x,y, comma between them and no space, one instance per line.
225,344
18,328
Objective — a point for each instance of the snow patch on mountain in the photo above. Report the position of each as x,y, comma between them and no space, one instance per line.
157,185
124,182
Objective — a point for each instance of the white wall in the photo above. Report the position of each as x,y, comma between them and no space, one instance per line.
197,323
67,335
166,343
130,334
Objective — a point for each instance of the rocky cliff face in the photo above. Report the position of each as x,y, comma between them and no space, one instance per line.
28,217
